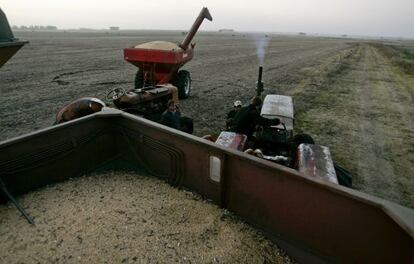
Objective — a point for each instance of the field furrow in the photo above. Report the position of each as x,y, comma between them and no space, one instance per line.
350,95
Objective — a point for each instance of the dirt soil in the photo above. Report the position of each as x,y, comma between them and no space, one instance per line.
127,218
348,94
364,110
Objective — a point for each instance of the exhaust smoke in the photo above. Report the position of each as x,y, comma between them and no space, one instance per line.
261,41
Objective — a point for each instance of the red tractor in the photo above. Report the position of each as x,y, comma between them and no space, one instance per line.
157,81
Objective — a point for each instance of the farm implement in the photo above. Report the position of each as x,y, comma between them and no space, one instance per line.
159,62
313,219
157,80
9,45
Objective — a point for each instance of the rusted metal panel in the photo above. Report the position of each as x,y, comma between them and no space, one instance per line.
8,50
308,217
45,157
316,161
232,140
9,45
6,34
162,64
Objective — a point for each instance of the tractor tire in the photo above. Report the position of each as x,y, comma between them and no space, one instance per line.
186,125
139,80
344,176
183,83
302,139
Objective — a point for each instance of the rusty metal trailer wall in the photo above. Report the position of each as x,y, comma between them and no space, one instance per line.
55,154
312,220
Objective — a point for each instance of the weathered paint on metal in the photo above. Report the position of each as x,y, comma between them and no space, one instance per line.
204,14
232,140
9,45
162,64
163,59
6,34
279,106
312,219
316,161
79,108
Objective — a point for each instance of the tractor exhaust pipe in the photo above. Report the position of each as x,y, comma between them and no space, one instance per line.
259,84
190,35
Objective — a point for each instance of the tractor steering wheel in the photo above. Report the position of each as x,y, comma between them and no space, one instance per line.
115,93
260,128
284,126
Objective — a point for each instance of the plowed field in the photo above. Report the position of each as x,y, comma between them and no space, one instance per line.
350,95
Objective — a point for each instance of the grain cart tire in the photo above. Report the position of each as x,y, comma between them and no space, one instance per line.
183,83
139,80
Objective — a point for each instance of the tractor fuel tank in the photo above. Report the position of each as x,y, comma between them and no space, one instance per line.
315,161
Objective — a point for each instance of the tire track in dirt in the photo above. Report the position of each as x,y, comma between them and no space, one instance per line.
399,143
361,110
375,172
399,93
224,81
224,68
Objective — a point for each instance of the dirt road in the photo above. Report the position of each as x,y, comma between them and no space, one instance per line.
364,109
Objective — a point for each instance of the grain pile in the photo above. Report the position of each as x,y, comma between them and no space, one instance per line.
126,218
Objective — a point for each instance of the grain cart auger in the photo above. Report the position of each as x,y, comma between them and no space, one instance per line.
159,61
277,143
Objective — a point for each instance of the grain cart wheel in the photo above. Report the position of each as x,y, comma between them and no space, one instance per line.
139,80
183,83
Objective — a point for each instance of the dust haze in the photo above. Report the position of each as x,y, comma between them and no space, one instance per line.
352,17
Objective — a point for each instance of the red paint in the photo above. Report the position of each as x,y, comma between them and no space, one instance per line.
232,140
163,65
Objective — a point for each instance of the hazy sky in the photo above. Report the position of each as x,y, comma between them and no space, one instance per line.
354,17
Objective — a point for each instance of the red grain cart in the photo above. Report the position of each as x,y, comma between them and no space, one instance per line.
159,61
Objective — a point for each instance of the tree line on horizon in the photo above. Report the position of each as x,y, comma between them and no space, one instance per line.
34,27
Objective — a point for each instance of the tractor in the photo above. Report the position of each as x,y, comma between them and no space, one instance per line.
159,77
158,80
279,144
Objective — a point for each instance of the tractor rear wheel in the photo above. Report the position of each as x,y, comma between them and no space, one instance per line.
186,125
139,80
183,83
